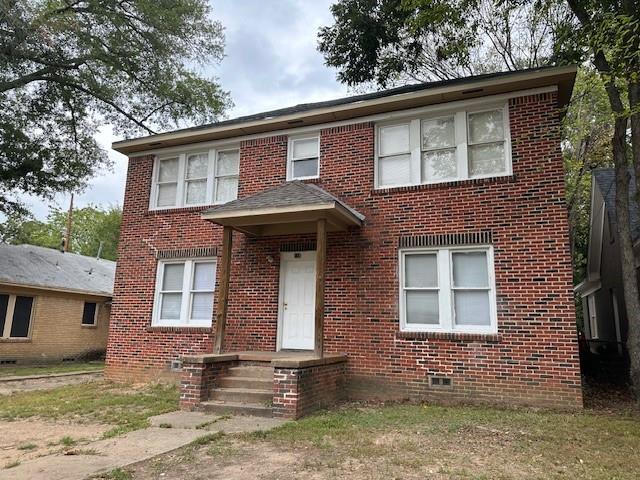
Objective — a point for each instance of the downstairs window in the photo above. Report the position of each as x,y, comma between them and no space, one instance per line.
15,316
447,290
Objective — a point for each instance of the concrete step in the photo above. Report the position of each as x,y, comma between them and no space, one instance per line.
236,408
258,383
246,395
252,371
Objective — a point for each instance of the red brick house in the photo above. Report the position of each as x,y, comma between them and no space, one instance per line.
411,243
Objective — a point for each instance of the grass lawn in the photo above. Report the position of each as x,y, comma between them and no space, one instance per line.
415,442
122,407
47,369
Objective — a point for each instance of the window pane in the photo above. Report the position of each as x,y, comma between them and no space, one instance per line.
421,270
472,308
226,189
307,148
486,159
305,168
21,317
486,126
228,163
4,304
204,276
167,194
439,165
168,170
422,307
394,139
170,306
470,269
173,273
438,133
202,306
89,313
196,192
197,165
394,170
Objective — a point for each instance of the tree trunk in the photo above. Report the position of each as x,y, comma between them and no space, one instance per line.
629,279
633,336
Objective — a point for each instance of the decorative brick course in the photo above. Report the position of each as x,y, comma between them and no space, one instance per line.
532,360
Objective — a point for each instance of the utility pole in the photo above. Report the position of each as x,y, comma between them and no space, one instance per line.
67,242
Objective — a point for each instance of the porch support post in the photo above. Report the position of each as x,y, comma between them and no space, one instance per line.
321,260
223,295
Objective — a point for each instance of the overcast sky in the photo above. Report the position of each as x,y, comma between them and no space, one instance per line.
271,62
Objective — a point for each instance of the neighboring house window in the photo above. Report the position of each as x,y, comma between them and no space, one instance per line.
593,317
15,316
90,314
460,145
196,178
303,157
448,289
184,293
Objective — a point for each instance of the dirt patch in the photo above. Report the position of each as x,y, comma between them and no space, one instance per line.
9,387
23,440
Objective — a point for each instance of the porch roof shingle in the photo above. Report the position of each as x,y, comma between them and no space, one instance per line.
292,202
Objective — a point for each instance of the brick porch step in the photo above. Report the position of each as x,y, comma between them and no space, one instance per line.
257,383
252,371
245,395
236,408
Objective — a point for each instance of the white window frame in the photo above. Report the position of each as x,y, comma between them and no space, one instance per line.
445,291
187,293
95,315
181,190
461,140
8,320
290,159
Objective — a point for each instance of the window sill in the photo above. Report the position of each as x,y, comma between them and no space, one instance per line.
15,340
184,329
483,337
445,185
89,326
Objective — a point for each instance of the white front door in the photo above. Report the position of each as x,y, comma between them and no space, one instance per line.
297,300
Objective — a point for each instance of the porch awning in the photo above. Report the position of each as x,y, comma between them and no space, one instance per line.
293,207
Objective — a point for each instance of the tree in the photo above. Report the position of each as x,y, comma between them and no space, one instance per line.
92,225
69,66
608,35
395,41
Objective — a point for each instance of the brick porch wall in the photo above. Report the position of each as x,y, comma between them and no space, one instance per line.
300,391
532,360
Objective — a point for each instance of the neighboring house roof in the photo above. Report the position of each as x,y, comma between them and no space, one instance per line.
605,179
47,268
347,108
292,202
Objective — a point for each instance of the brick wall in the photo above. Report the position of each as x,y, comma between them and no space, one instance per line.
532,359
300,391
56,331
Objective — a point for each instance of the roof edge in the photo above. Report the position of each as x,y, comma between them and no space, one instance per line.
362,105
57,289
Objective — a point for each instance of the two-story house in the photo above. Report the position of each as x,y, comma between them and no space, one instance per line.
410,243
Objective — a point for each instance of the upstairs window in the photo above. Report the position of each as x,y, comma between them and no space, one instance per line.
15,316
184,293
459,145
303,158
196,178
447,290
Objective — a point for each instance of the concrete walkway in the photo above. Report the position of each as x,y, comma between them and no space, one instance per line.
178,429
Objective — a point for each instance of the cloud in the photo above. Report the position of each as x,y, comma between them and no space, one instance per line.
271,62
